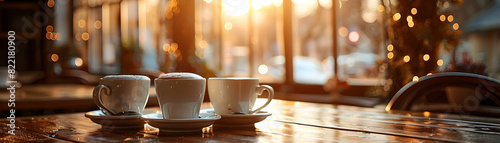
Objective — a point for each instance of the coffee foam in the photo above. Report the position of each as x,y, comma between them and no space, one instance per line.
126,77
180,75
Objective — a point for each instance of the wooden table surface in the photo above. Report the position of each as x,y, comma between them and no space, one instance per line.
290,122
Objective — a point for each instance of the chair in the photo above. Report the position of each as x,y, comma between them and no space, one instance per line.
451,92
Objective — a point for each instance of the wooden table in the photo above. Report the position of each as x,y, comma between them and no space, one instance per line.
291,122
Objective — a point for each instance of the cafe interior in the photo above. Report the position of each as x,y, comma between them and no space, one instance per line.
338,70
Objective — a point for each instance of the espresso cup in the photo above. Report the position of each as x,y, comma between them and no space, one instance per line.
180,95
236,95
122,94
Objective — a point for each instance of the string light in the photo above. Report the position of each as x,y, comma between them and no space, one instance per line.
85,36
406,59
390,47
442,18
50,3
53,36
390,55
455,26
54,57
450,18
415,78
49,28
440,62
166,47
414,11
396,16
97,24
409,18
47,35
343,31
426,57
81,23
380,8
174,47
411,24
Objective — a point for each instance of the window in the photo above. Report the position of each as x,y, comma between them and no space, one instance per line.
242,38
248,38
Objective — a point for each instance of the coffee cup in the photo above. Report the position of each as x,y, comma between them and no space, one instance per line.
122,94
180,95
237,95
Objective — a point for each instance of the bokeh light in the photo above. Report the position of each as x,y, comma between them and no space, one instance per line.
442,18
51,3
396,16
414,11
456,26
54,57
203,44
440,62
426,57
263,69
446,4
390,47
380,8
78,62
343,31
450,18
81,23
78,36
409,18
166,47
415,78
390,55
85,36
406,59
228,26
97,24
354,36
411,24
49,28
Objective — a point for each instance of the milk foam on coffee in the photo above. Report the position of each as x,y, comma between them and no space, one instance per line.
126,77
180,75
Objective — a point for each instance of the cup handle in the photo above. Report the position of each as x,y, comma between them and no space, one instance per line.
96,95
260,89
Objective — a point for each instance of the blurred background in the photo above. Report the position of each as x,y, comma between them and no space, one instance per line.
358,52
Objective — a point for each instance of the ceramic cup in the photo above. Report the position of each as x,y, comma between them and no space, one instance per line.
180,95
236,95
122,94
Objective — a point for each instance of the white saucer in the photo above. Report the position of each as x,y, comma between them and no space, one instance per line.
239,120
126,121
180,125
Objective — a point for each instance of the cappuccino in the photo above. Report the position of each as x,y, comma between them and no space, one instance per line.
180,75
180,95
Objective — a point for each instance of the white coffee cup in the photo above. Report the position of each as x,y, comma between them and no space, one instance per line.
180,95
236,95
122,94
